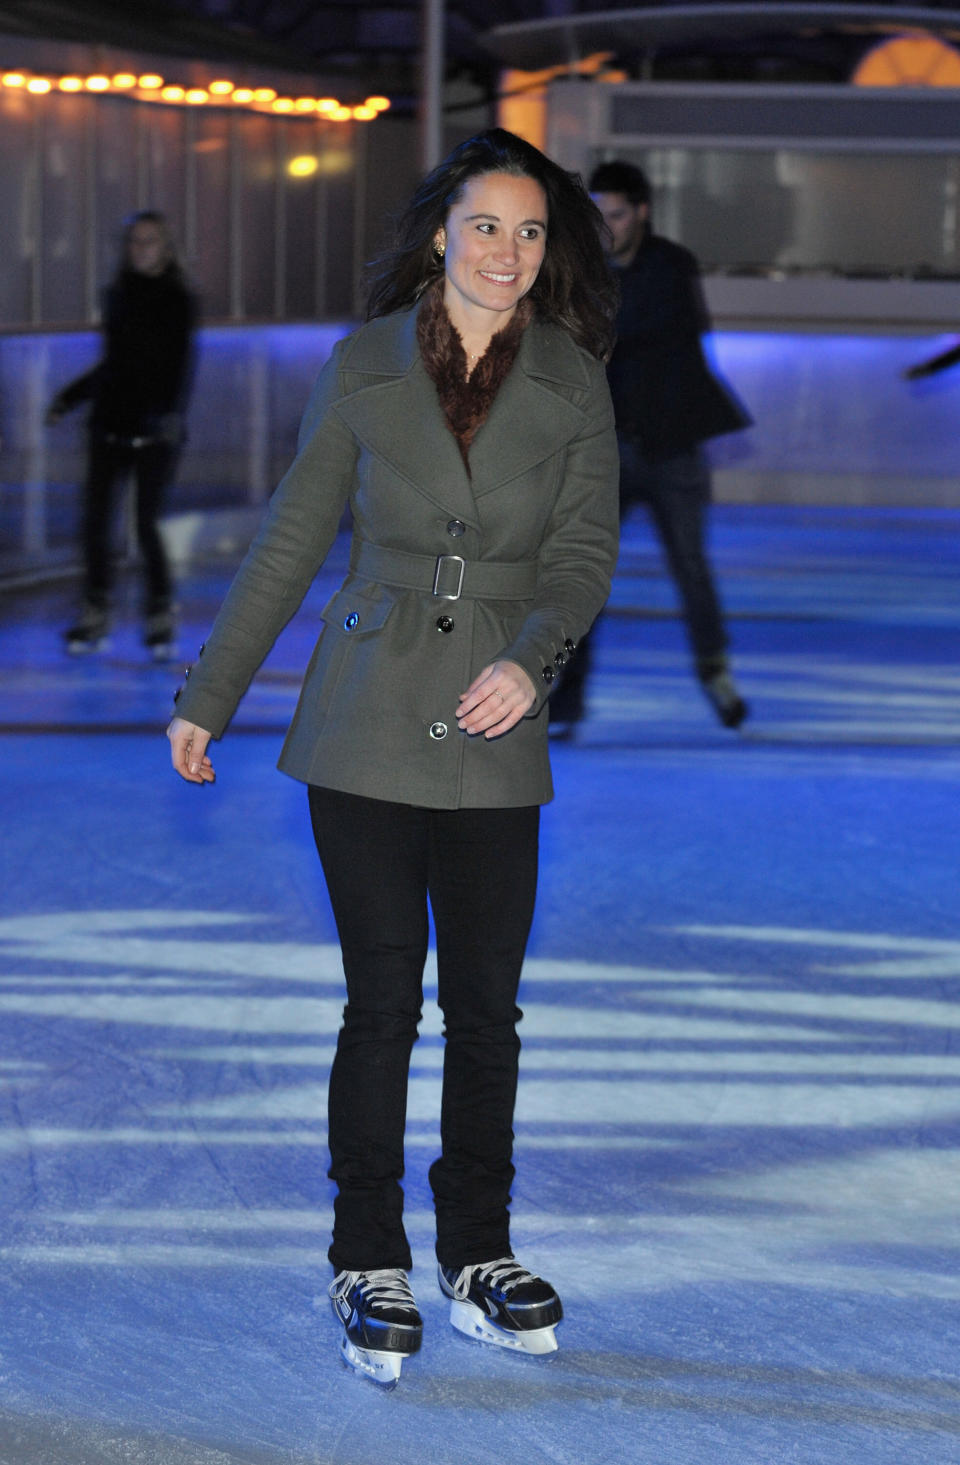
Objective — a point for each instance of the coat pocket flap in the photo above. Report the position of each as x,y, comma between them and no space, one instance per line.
348,610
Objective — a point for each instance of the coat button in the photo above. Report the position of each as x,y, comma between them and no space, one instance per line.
351,622
456,527
445,624
548,674
561,658
176,696
438,731
569,646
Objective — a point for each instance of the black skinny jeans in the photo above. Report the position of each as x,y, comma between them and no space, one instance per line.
151,467
677,493
478,867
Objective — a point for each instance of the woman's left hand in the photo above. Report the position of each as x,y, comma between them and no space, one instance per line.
496,700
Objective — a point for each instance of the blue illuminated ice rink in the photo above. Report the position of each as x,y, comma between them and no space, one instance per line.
739,1114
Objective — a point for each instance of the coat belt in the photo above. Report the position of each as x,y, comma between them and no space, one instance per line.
447,576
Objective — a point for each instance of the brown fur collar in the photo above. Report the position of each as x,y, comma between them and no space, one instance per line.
466,401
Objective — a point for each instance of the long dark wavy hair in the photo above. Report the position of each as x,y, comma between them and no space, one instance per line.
575,287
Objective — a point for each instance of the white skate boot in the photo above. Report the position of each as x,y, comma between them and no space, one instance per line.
381,1324
501,1302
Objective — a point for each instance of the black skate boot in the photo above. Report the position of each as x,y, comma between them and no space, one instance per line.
501,1302
160,635
90,631
381,1324
721,691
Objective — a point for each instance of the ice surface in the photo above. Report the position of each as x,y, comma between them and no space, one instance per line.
739,1115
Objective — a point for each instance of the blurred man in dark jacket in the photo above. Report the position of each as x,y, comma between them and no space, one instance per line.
667,404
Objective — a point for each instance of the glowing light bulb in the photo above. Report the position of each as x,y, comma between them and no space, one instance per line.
220,88
97,83
14,78
242,95
150,82
39,85
340,114
173,93
327,104
302,167
283,104
364,113
124,80
70,84
196,96
379,104
264,94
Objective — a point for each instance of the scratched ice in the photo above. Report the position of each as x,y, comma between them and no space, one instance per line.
739,1115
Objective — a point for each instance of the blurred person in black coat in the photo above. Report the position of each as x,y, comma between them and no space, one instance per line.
138,392
667,404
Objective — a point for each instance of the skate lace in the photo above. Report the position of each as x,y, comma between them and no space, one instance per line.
384,1286
505,1274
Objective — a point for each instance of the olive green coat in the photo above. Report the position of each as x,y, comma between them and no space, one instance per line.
377,711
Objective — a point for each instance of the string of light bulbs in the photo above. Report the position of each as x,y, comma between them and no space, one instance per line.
151,87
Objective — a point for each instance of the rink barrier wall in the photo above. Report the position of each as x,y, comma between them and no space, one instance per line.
835,422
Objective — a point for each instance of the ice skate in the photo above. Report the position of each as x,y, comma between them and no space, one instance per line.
159,635
721,692
501,1302
90,633
381,1324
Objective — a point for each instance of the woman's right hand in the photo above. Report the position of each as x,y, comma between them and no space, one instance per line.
188,751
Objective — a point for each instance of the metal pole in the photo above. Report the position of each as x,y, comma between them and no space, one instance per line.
35,215
280,220
321,224
431,96
235,196
361,132
190,200
91,162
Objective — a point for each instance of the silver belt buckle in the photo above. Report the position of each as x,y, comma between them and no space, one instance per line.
454,559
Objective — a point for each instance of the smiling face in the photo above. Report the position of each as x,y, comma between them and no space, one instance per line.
495,238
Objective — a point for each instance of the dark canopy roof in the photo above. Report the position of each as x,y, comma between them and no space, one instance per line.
378,41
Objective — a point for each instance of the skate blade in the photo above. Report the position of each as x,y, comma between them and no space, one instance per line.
166,651
470,1321
380,1368
87,648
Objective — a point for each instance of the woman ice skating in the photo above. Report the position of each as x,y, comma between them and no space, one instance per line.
138,393
468,425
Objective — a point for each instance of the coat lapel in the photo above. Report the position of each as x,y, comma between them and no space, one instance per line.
396,413
530,419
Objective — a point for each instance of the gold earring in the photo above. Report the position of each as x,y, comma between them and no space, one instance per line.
439,247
